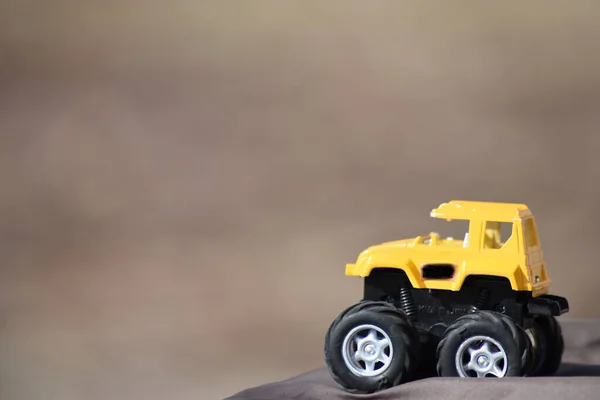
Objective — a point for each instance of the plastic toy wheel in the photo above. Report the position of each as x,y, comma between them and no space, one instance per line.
370,347
550,345
525,345
480,345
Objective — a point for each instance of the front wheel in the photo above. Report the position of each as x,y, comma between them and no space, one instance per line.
371,348
481,345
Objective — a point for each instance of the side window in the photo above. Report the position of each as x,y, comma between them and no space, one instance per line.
496,234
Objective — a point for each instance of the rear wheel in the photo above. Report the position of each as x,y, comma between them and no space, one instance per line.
482,344
550,345
371,347
525,346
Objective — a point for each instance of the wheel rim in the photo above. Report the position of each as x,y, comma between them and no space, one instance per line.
481,357
367,350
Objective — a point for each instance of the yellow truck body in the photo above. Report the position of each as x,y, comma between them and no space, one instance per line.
482,251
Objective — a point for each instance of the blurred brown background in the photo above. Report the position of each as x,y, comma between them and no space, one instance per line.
183,182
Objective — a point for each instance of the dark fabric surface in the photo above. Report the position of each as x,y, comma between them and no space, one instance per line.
578,378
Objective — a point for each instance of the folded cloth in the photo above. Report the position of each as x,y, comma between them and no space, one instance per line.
578,378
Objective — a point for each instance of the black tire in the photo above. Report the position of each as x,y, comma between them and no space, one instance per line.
551,345
539,347
497,329
532,356
525,347
403,342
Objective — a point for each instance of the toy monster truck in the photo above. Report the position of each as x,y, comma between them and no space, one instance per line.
477,307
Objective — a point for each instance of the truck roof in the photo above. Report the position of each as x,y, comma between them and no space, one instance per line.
490,211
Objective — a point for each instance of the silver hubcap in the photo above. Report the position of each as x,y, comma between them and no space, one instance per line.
480,357
367,350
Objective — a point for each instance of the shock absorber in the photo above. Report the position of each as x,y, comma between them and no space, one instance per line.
483,301
407,303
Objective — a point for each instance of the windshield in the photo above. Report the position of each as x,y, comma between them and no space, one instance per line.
455,229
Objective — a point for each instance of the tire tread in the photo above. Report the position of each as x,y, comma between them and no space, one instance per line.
481,316
408,333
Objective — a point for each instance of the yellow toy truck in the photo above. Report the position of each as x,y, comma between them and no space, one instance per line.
472,307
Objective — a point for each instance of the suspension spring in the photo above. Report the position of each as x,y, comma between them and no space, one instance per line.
407,303
483,300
